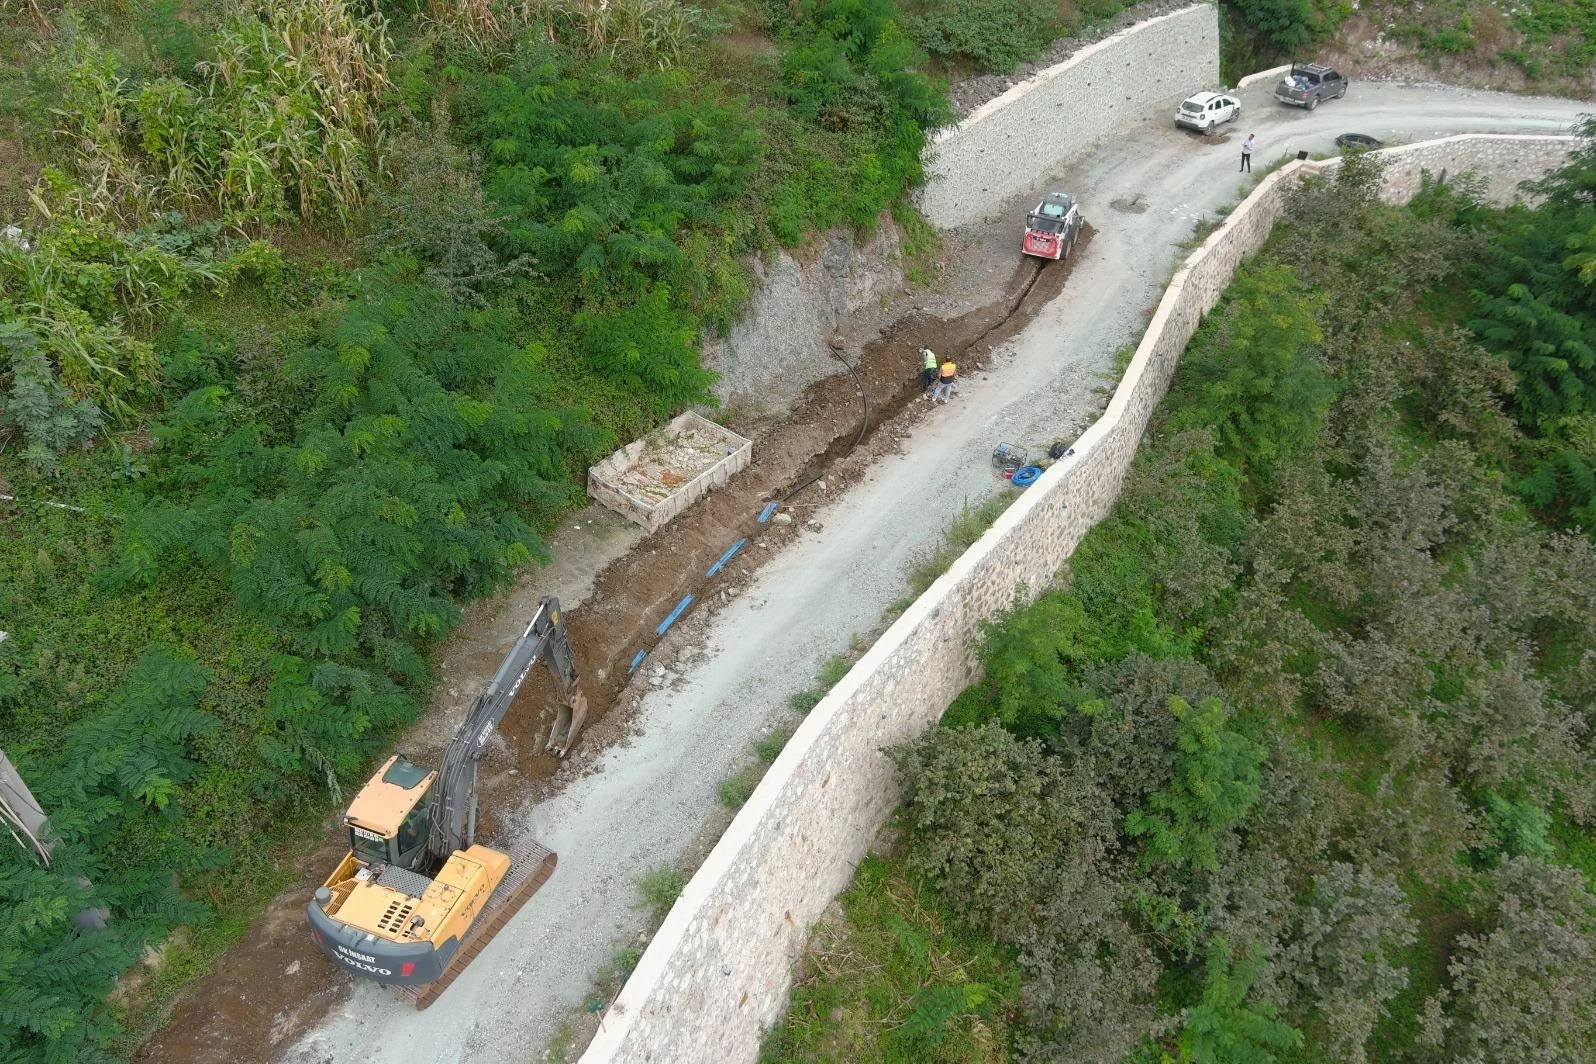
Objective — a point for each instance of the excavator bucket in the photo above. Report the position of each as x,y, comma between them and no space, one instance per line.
568,721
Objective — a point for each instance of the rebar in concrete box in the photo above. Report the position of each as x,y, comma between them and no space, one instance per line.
653,479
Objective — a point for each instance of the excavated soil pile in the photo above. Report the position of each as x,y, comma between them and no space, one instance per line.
274,984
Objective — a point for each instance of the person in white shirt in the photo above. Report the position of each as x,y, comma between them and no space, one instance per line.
1246,151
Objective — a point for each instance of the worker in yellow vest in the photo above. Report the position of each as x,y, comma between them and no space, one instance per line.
928,371
945,378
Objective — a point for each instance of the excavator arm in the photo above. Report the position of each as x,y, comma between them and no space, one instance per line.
454,819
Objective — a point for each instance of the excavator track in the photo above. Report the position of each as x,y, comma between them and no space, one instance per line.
531,865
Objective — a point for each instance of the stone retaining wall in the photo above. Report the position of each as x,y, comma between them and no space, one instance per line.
1503,161
1006,144
717,974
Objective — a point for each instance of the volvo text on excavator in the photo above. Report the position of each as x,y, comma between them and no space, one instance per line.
416,898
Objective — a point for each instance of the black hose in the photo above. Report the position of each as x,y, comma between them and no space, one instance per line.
864,425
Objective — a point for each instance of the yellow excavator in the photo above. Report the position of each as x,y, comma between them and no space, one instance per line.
415,898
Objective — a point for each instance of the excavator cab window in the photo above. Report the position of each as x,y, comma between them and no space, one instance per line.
404,774
413,832
368,845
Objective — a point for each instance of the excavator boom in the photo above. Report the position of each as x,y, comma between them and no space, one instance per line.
454,822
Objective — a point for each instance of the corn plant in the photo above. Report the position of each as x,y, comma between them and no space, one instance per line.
637,33
484,25
286,122
178,134
298,89
89,94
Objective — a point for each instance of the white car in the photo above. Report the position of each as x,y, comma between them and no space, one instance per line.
1206,110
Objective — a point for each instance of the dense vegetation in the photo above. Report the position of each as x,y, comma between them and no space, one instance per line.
1547,42
1295,762
315,312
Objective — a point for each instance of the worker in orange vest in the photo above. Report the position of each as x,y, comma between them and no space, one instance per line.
945,378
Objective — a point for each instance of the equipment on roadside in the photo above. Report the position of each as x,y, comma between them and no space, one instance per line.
415,899
1025,476
1053,227
1007,458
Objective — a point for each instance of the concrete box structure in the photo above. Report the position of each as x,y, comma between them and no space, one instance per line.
653,479
717,974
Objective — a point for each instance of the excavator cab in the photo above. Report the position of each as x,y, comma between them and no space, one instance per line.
389,821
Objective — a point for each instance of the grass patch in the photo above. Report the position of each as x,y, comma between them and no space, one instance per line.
770,747
835,668
894,982
805,700
660,886
734,791
562,1043
921,244
971,523
1576,847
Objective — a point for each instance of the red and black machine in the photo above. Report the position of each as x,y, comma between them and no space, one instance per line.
1053,227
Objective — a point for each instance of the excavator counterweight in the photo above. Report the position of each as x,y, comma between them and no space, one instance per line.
415,898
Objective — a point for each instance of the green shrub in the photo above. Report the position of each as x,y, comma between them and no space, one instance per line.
1217,775
848,68
38,406
1288,25
995,35
1225,1027
108,782
660,886
1251,375
403,488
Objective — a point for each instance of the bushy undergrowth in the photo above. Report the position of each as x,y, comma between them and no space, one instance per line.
944,993
1276,773
1551,43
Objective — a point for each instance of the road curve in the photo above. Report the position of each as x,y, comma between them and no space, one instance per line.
652,796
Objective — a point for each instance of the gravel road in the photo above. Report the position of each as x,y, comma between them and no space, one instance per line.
649,798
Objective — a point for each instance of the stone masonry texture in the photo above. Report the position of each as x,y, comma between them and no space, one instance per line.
717,974
1060,113
780,346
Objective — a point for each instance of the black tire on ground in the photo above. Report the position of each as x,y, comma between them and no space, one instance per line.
1342,93
1313,101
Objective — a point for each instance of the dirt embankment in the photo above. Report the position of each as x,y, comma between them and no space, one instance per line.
274,984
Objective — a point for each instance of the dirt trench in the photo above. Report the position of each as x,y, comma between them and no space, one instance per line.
274,984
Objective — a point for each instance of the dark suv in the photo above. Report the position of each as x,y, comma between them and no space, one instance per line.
1309,83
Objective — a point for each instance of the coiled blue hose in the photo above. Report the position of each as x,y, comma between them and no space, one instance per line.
1025,476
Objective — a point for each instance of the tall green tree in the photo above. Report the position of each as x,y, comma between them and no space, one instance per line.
1217,776
1224,1027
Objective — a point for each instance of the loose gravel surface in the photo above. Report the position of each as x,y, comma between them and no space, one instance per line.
645,800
